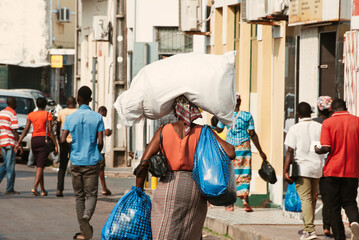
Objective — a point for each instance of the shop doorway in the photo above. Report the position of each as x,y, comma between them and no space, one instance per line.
327,83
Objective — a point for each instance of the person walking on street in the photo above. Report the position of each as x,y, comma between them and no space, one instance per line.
41,121
178,208
8,138
299,139
64,147
103,111
340,138
324,111
239,136
86,128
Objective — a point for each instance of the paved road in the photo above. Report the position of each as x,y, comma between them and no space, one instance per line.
28,217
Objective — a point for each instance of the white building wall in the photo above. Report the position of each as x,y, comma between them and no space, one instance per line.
154,13
143,16
24,31
308,66
103,51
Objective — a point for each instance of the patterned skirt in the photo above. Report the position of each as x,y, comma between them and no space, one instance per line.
178,208
243,168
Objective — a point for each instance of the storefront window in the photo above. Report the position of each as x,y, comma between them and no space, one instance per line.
291,78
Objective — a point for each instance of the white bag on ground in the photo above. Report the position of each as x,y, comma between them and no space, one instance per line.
208,81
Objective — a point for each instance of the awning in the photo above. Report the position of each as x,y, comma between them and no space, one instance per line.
62,51
22,64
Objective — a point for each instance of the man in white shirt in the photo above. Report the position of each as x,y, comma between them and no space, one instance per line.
108,131
300,141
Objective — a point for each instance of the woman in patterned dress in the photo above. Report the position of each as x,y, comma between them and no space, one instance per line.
239,136
178,208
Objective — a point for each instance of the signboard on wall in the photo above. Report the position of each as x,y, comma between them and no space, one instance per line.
355,8
56,61
355,15
305,11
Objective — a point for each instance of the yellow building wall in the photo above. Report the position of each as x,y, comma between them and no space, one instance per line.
260,67
64,32
243,61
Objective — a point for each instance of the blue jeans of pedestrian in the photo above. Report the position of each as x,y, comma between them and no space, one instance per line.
8,167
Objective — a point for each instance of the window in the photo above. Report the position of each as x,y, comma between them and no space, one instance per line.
24,105
237,11
171,41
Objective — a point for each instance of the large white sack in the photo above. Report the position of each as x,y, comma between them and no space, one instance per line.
206,80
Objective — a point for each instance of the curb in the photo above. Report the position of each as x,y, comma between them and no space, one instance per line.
119,174
233,231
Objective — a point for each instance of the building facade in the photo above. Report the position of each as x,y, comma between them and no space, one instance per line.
29,38
154,33
101,64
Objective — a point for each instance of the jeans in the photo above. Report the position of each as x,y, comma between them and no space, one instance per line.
64,160
342,192
85,185
307,191
8,167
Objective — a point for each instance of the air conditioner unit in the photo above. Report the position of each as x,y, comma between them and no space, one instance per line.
260,7
244,12
278,6
64,14
253,10
190,15
100,28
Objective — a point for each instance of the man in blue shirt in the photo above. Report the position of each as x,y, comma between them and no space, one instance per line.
86,128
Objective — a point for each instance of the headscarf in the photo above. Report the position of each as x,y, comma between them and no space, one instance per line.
187,112
324,102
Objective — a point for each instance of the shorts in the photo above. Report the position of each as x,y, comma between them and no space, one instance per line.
102,163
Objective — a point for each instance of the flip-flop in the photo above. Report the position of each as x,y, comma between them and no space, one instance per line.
248,209
44,193
107,193
229,209
35,192
77,235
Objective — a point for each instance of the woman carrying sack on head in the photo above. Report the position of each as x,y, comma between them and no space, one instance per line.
239,136
178,208
41,121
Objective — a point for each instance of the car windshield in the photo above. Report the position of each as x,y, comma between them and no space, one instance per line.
24,105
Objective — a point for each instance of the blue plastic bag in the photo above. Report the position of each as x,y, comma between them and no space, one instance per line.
213,171
130,219
292,201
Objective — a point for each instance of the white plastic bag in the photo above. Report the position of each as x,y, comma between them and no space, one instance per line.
207,80
55,158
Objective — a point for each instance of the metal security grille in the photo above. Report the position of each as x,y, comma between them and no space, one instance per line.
171,40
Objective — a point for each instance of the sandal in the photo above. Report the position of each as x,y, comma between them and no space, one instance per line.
247,207
35,192
44,193
107,192
230,208
79,236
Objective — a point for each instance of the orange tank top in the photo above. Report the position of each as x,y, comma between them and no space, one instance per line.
180,152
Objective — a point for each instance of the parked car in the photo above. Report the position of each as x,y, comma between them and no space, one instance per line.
52,106
25,105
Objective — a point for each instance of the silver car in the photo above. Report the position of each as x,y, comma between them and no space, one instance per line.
25,105
51,106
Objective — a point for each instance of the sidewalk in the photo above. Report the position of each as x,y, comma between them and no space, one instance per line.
262,224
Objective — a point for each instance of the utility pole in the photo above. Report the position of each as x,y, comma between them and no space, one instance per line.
119,40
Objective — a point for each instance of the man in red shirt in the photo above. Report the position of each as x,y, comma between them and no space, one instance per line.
340,138
8,138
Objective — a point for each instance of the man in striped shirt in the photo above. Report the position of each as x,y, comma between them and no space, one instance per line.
8,138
